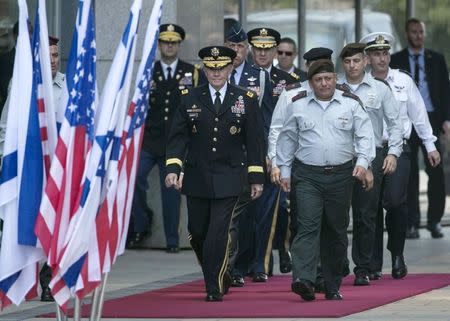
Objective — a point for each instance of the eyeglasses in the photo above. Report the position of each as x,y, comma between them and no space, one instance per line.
287,53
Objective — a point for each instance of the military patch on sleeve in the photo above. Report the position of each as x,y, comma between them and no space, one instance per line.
184,91
250,94
293,74
293,86
353,96
383,81
300,95
343,87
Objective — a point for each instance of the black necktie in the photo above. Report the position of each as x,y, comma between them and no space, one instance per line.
169,73
416,69
217,103
232,79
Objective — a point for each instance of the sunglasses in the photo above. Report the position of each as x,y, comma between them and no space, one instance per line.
287,53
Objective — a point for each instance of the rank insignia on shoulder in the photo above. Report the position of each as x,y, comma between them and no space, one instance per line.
293,86
353,96
184,91
343,87
300,95
293,74
250,94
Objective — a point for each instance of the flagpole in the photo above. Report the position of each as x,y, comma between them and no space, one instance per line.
102,297
77,309
94,306
60,316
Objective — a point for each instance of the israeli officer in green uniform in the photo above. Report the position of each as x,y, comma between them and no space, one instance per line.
325,131
213,134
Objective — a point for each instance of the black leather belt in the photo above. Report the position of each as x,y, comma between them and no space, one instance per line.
328,169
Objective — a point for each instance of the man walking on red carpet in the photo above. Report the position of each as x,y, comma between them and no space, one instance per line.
217,130
325,131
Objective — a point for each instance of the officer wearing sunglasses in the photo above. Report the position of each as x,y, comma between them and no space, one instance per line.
286,54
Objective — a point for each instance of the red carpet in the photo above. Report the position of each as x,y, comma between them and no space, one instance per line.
267,300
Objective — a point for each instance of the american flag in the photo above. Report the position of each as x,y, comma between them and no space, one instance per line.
59,202
27,143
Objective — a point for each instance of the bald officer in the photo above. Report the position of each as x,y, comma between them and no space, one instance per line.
214,131
324,132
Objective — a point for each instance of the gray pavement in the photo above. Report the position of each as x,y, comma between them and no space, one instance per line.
142,270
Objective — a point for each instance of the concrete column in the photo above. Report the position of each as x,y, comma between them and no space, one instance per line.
200,20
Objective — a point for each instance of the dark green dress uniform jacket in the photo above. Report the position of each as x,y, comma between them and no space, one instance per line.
164,99
223,150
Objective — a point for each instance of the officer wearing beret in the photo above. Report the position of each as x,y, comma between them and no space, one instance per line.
214,131
286,225
325,130
171,76
379,101
256,79
394,191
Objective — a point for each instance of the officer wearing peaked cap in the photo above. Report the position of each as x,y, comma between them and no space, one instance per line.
214,131
264,42
256,79
394,193
171,76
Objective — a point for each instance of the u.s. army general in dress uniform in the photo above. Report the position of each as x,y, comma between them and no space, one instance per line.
214,133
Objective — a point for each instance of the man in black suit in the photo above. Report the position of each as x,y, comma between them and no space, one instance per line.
429,70
171,76
286,54
213,134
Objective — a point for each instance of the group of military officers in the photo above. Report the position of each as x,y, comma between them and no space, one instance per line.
270,159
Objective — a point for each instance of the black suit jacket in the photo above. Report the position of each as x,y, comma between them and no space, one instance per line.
164,99
437,77
222,153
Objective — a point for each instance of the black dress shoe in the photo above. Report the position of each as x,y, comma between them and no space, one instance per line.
214,297
172,249
304,288
399,269
361,279
226,282
412,233
46,295
136,239
436,230
237,281
260,277
333,296
375,275
285,261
